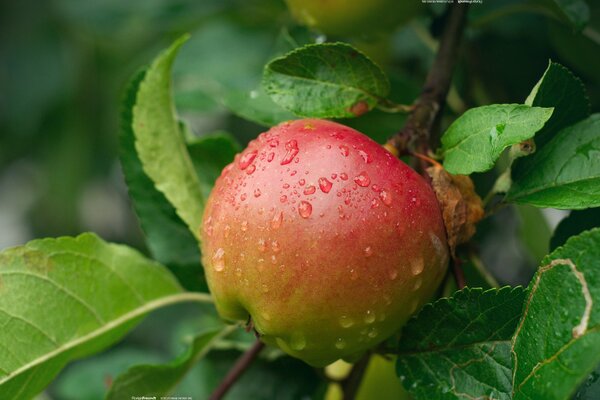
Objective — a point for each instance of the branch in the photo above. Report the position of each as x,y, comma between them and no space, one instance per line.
419,130
237,370
352,382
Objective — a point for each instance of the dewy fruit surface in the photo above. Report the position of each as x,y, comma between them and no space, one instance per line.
324,238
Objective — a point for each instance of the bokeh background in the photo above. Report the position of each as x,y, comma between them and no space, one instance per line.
65,63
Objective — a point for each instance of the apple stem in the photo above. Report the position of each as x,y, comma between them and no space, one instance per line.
351,383
240,366
459,275
420,131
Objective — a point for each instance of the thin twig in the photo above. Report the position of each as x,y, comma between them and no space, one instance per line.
237,370
419,130
352,382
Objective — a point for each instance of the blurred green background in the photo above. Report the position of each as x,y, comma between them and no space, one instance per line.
65,63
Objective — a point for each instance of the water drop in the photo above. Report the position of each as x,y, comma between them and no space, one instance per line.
416,266
244,226
305,209
418,283
247,159
376,188
250,170
333,176
301,182
275,246
374,203
270,157
353,274
393,273
365,156
368,251
386,197
292,150
310,190
266,316
257,193
265,288
294,172
277,220
283,198
274,142
325,185
344,176
243,196
344,150
345,321
369,317
218,260
373,333
286,185
297,342
262,245
347,201
362,179
340,343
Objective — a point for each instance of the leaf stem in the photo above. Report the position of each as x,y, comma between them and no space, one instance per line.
419,129
240,366
351,383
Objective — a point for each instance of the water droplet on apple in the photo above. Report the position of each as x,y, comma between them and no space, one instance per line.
291,147
257,193
246,159
301,182
344,176
418,283
369,317
243,197
362,179
265,288
386,197
305,209
416,266
270,157
368,251
365,156
353,274
262,245
340,343
273,259
275,246
297,342
250,170
283,198
344,150
393,274
345,321
238,272
310,190
333,176
325,185
218,260
244,226
373,333
277,220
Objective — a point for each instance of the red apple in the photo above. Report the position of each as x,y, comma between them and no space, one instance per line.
325,239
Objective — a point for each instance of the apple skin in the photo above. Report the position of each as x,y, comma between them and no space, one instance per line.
324,238
353,17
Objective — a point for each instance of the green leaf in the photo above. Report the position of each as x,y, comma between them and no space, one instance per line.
329,80
160,145
557,342
534,232
167,236
232,74
590,388
159,380
459,347
577,222
563,174
476,139
210,154
576,12
560,89
63,299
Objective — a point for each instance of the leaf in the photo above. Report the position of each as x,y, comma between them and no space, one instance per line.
557,342
159,380
577,222
64,299
577,12
476,139
160,145
167,236
232,74
560,89
329,80
563,174
210,154
534,232
459,347
590,388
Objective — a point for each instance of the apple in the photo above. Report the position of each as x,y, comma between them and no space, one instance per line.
323,238
353,17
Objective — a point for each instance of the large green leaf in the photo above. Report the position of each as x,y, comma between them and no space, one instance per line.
329,80
63,299
160,145
557,342
577,222
459,347
474,142
159,380
576,12
560,89
167,236
565,173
